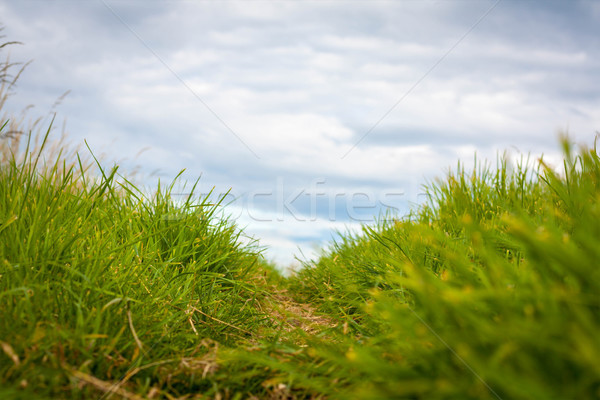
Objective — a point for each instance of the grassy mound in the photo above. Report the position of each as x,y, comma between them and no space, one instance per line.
99,283
489,291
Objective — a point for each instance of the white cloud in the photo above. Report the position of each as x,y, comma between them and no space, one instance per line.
301,83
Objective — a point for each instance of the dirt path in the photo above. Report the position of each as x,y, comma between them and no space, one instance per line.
292,315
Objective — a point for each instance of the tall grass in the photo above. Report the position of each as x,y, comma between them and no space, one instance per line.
97,279
490,291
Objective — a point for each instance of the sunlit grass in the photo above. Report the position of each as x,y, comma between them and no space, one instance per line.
491,290
96,278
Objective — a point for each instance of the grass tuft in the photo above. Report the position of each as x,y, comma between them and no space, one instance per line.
99,283
488,291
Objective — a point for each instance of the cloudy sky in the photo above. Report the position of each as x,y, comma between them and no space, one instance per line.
316,115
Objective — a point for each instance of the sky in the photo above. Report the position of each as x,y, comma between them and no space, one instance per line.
314,117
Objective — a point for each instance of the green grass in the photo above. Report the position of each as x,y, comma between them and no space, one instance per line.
490,290
97,278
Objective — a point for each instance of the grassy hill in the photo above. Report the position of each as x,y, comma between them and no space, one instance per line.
489,291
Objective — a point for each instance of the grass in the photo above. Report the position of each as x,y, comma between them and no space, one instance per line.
490,290
97,278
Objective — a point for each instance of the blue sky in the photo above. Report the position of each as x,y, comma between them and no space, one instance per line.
316,115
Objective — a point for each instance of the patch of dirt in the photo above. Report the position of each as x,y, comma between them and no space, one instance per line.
292,315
